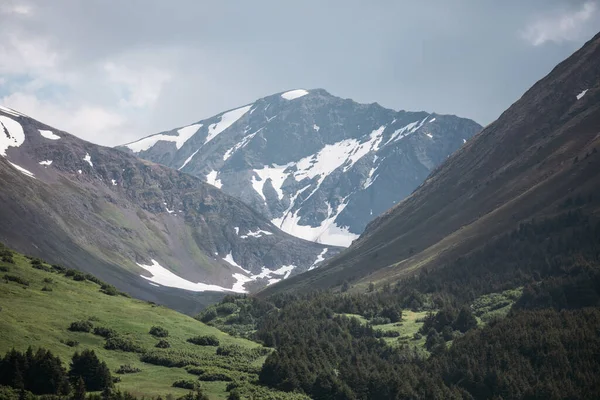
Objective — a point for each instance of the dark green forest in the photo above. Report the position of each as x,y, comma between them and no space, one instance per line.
547,347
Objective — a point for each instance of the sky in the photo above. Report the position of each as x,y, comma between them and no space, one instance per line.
112,71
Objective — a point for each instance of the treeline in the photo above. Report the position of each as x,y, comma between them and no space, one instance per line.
41,372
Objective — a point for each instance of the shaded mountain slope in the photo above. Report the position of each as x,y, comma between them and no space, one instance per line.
541,153
106,212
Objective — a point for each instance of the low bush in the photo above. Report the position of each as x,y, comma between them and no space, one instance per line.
105,332
59,268
81,326
48,280
211,374
79,277
163,344
127,369
209,340
159,331
16,279
109,289
4,269
70,342
185,384
46,289
122,344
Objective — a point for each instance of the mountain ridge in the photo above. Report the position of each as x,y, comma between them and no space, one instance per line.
318,166
106,212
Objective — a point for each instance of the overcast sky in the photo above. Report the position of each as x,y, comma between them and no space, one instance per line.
113,71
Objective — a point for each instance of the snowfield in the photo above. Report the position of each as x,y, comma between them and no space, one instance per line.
294,94
16,136
226,121
48,134
183,134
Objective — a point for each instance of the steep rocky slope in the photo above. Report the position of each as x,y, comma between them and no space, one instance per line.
143,227
318,166
541,155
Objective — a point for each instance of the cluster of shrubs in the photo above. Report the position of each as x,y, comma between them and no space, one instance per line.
159,331
81,326
16,279
163,344
105,332
211,374
208,340
185,384
127,369
123,344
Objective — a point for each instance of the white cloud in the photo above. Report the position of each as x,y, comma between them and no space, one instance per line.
86,121
20,9
143,86
561,26
26,55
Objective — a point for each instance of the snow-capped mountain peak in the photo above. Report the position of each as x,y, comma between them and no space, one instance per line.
318,166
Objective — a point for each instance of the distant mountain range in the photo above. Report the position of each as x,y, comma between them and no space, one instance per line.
154,232
317,166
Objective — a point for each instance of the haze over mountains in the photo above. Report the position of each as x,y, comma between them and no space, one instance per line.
147,229
317,166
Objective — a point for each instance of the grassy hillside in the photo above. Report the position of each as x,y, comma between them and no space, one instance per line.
38,303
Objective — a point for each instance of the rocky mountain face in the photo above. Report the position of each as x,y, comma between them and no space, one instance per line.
317,166
540,158
151,231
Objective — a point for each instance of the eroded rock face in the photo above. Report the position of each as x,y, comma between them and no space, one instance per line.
317,166
119,217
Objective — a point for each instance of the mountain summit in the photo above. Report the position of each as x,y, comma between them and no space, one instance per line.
317,166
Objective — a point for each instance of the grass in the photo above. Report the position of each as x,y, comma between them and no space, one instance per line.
495,305
30,316
407,327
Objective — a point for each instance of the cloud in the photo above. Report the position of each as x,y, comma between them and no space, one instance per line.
85,120
143,86
20,9
561,26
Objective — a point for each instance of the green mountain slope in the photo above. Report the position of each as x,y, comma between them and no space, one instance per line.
37,307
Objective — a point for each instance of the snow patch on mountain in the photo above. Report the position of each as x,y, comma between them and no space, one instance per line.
211,178
164,277
46,163
240,145
183,134
277,176
227,119
48,134
328,232
23,170
258,233
294,94
88,159
188,159
12,112
580,95
229,259
320,258
11,134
